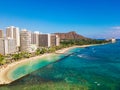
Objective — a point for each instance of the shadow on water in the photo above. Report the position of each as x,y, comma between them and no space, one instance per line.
37,79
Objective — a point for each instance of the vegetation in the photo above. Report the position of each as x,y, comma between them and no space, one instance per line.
2,59
47,86
16,56
25,55
52,49
43,50
37,52
82,42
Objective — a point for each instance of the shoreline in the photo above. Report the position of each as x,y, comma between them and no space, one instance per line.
64,50
4,72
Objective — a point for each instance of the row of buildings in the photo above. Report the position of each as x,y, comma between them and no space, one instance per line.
15,40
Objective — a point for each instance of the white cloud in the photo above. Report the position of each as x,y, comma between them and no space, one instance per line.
114,32
116,28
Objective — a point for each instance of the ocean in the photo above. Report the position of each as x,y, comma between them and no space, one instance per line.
90,68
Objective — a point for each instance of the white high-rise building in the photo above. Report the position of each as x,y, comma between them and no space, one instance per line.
25,40
14,33
7,46
113,40
9,32
1,34
57,40
35,38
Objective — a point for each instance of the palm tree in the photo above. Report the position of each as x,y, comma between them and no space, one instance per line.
16,56
37,52
43,50
52,49
25,55
2,59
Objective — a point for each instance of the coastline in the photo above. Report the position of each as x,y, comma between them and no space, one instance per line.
4,72
64,50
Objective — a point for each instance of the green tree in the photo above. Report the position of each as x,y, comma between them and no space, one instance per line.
37,52
25,55
67,43
43,50
51,49
17,56
2,59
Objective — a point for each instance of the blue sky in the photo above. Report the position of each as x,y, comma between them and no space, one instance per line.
91,18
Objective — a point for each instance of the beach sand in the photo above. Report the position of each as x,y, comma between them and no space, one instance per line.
4,72
64,50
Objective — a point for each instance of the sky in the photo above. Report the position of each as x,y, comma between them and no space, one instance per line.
90,18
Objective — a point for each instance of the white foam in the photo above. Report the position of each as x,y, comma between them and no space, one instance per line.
98,84
80,55
95,82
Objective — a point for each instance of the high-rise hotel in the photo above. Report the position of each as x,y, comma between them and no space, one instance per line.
35,38
44,40
54,40
7,46
1,34
25,40
48,40
14,33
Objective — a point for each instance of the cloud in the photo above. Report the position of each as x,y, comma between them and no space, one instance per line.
116,28
107,33
114,32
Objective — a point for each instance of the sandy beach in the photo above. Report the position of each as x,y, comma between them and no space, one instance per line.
4,71
64,50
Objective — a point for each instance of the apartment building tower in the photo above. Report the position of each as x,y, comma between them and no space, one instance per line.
1,34
35,38
57,40
44,40
7,46
54,40
25,40
14,33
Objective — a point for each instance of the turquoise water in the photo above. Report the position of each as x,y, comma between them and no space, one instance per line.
94,68
31,66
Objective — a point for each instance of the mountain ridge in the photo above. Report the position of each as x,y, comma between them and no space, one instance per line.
70,35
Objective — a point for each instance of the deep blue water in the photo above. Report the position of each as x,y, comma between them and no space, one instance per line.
95,67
